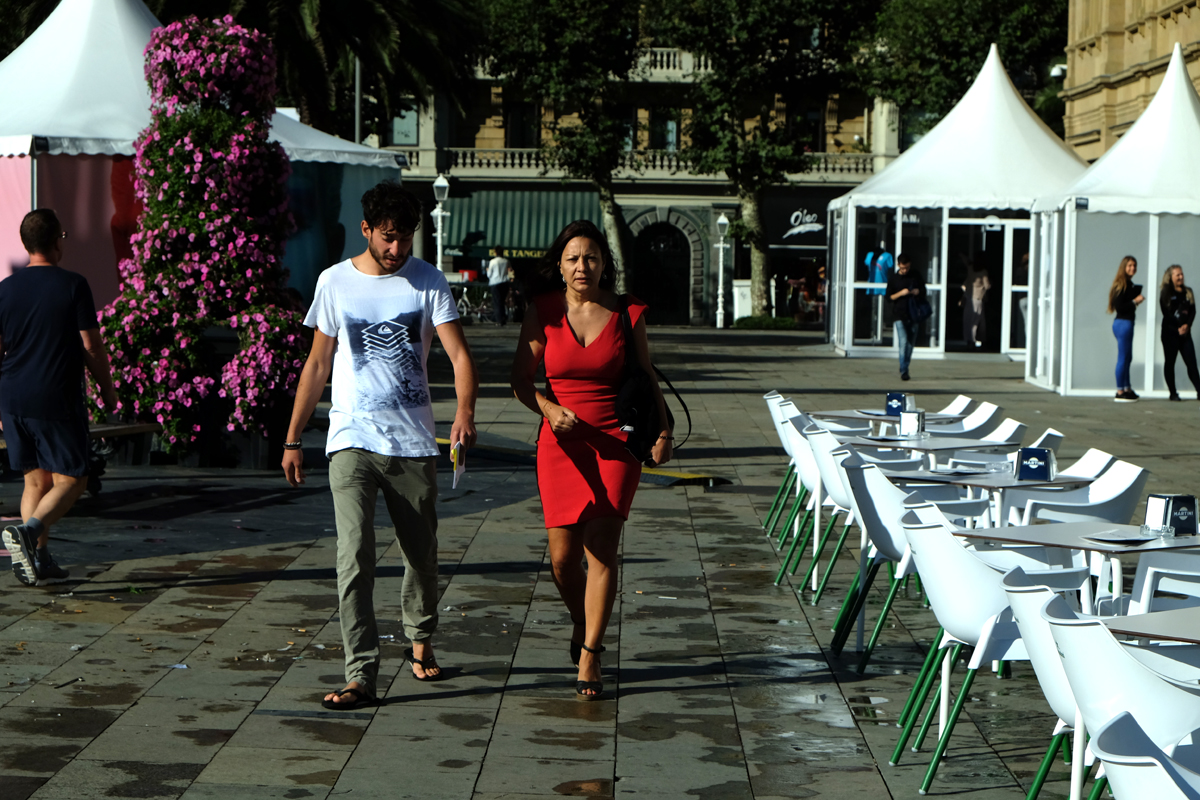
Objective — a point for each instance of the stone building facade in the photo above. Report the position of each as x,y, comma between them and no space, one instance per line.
1117,53
501,195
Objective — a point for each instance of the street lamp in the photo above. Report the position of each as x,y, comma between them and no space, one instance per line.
722,228
441,188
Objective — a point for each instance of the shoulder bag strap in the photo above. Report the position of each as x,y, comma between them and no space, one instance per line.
631,363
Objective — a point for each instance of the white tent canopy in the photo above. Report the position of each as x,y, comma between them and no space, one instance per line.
79,82
990,151
1152,168
1140,198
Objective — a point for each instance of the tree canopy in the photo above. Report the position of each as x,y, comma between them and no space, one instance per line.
407,49
923,54
765,62
572,59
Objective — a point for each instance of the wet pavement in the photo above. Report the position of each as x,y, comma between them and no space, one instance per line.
189,657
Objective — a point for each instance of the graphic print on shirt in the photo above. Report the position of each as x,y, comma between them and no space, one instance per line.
388,355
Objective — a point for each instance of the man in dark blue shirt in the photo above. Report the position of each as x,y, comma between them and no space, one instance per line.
48,335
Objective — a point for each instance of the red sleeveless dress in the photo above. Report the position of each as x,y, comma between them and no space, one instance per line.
585,473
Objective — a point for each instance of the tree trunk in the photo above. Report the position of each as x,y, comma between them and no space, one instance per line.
614,230
761,299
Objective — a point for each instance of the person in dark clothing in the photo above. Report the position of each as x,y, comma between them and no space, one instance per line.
1123,299
48,335
904,283
1178,306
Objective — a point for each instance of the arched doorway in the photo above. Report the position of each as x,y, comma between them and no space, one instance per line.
662,272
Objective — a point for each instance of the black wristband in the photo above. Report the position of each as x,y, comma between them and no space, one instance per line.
292,445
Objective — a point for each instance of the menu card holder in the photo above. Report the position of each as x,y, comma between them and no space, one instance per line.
894,404
1177,511
1036,464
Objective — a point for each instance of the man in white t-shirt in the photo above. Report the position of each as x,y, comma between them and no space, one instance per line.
497,274
378,312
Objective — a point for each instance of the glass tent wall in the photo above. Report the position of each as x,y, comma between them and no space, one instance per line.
956,250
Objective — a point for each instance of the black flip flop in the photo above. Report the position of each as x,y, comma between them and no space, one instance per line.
361,700
408,654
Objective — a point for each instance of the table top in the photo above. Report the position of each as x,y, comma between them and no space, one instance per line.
992,481
1177,625
926,444
874,415
1076,536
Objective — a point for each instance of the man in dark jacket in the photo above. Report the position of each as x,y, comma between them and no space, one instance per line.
904,285
48,335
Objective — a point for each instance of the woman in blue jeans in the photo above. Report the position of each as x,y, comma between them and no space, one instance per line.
1123,299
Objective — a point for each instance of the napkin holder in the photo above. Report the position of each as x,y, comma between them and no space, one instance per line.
1036,464
1177,511
912,423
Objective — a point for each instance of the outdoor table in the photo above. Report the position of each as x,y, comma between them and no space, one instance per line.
878,418
994,482
1111,540
1176,625
929,445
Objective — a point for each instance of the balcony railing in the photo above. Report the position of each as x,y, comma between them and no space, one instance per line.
529,162
667,62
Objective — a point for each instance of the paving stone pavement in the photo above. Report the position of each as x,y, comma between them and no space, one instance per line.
188,659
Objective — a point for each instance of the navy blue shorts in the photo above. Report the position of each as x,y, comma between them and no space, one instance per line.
56,445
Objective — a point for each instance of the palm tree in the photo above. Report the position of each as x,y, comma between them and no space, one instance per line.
406,50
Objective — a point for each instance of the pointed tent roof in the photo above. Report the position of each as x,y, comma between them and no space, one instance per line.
990,151
79,81
1152,169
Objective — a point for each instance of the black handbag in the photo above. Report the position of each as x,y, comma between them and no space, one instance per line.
637,405
919,309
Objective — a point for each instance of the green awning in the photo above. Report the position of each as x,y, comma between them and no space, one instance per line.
522,221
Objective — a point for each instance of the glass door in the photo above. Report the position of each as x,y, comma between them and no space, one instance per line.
976,266
1015,331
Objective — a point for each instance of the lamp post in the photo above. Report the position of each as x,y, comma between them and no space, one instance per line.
441,188
722,228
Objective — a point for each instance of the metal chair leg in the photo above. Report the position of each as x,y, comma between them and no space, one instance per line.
787,525
837,551
944,740
915,710
887,606
930,656
1056,744
934,707
846,624
785,488
799,542
1098,788
820,548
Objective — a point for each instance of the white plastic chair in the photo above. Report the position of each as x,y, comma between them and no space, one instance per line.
972,608
1176,572
1112,497
1090,465
1026,598
1050,439
1107,677
979,423
958,405
1138,768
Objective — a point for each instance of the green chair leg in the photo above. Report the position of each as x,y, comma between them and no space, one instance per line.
887,606
921,734
820,549
778,503
1098,788
787,525
944,740
918,704
786,530
799,542
851,595
930,656
846,625
1066,750
1056,743
837,551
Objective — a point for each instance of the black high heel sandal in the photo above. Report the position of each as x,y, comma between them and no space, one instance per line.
594,686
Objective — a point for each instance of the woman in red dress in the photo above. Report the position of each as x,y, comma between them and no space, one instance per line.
586,477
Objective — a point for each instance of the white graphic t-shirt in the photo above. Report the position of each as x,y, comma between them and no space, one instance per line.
384,326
